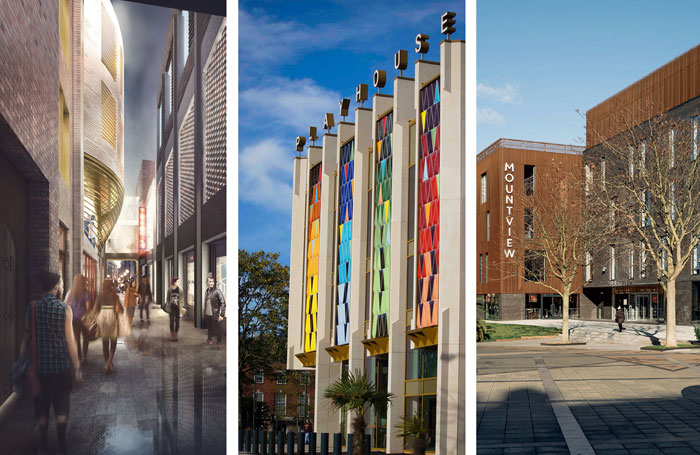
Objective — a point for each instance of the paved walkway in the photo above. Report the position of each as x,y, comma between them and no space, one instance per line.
163,398
537,399
606,332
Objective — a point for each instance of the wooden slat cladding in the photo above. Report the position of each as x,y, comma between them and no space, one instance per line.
500,279
669,86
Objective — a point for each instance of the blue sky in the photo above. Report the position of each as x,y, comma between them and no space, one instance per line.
296,61
537,62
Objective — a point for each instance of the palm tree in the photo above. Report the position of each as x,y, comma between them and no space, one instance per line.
355,391
412,428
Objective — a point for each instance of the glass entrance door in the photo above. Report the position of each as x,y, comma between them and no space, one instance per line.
643,306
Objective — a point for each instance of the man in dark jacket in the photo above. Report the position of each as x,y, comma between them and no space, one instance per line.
215,311
620,318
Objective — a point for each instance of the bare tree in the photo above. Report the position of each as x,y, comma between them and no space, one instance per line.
558,235
647,177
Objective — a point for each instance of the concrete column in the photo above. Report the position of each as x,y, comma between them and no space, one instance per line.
199,163
177,265
404,112
451,385
297,255
360,236
326,371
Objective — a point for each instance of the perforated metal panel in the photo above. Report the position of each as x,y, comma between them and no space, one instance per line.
187,166
169,214
109,117
159,202
109,48
215,118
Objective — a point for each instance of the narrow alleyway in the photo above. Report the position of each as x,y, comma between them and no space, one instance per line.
163,398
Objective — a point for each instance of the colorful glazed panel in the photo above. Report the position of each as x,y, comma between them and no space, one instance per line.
381,270
347,174
428,206
314,216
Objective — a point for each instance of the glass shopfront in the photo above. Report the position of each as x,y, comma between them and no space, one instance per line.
549,306
421,388
217,266
377,368
488,303
646,305
189,283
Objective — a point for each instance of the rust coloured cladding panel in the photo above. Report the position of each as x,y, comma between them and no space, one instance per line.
494,165
667,87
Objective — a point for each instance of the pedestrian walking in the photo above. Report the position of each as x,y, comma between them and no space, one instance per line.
50,324
145,299
215,311
307,430
172,306
130,300
109,310
620,318
78,298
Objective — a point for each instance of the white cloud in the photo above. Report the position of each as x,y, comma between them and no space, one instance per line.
265,174
489,116
297,104
507,94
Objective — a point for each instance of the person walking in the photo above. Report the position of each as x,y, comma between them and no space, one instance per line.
172,306
108,309
78,298
215,311
52,323
620,318
307,430
130,300
145,299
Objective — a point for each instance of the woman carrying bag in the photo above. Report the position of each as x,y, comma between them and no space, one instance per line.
110,321
172,306
78,299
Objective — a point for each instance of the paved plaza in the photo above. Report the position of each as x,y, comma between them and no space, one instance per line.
600,398
163,398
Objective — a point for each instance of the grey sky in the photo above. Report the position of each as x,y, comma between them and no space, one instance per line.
143,31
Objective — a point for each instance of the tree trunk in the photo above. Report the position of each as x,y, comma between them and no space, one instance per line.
671,313
358,434
565,318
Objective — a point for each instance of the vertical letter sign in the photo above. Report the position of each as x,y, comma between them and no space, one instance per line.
142,228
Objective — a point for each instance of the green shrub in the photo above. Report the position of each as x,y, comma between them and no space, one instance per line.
697,332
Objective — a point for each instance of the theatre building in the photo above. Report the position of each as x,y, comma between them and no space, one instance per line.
507,178
377,263
622,277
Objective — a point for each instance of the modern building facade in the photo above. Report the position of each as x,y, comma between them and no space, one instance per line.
506,176
191,158
61,152
671,89
377,275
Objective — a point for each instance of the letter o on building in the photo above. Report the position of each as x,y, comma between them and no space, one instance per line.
509,178
379,78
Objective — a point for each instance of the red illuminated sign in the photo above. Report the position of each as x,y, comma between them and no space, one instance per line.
142,228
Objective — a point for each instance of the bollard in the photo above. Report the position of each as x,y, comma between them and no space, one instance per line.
241,440
348,447
280,443
324,443
263,441
312,443
290,443
247,440
301,446
271,448
255,443
337,443
368,445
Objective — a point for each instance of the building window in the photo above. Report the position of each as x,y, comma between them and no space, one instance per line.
483,187
303,404
486,268
160,125
602,172
534,266
529,223
488,226
587,267
672,143
588,178
695,265
529,182
63,137
280,404
64,28
185,35
281,377
259,397
481,268
305,378
643,258
644,154
259,377
695,121
612,263
631,160
673,200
